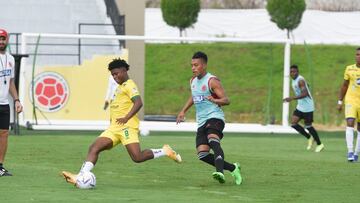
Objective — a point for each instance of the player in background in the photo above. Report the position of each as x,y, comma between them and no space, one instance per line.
124,127
7,85
304,109
350,90
208,95
110,91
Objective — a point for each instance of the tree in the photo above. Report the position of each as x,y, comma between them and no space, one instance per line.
286,13
180,13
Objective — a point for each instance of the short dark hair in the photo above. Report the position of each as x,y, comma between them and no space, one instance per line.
358,49
294,66
200,55
118,63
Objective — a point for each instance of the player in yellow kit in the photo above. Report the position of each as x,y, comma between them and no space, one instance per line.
124,127
350,89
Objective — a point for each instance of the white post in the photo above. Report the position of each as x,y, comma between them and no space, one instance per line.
22,78
286,84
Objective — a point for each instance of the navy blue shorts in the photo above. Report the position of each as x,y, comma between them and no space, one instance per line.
4,117
212,126
307,116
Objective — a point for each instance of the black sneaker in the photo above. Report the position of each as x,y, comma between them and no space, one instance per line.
4,172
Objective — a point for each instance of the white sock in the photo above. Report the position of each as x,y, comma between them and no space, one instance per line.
87,167
357,149
158,153
350,138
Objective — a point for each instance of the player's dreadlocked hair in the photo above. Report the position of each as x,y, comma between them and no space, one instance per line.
118,63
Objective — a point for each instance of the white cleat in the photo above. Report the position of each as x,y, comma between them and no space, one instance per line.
319,148
172,154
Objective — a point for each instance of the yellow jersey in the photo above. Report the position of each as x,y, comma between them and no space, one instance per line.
122,104
352,74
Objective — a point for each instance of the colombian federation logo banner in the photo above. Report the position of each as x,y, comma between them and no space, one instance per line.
51,91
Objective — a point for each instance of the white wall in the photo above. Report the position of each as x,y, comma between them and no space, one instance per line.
316,26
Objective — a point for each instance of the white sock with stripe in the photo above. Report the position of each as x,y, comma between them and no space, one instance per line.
350,139
357,149
158,153
86,167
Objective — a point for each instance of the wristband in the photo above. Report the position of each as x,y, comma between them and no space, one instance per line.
340,102
15,100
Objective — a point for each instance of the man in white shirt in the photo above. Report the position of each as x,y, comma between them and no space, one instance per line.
7,85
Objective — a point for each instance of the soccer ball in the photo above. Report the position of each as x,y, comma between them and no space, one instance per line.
86,180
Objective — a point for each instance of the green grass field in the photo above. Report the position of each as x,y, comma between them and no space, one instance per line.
276,168
252,75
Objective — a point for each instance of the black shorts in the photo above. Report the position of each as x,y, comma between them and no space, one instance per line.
212,126
307,116
4,117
